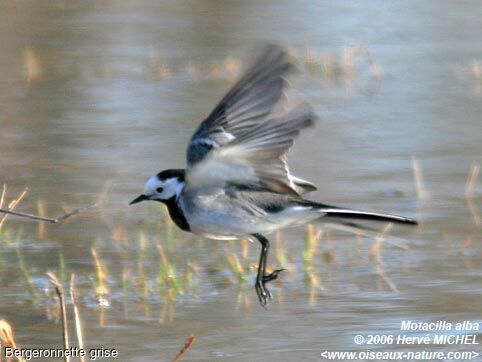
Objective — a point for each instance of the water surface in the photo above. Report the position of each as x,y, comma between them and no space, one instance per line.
97,96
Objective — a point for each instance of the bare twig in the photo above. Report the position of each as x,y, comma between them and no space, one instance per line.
43,218
75,212
29,216
189,343
78,322
60,294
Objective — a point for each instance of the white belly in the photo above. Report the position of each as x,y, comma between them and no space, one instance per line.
219,217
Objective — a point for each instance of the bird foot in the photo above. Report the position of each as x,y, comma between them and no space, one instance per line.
263,293
261,289
272,276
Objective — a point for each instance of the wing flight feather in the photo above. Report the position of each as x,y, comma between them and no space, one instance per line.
256,158
248,102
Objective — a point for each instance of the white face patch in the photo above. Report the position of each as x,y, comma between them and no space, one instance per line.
163,189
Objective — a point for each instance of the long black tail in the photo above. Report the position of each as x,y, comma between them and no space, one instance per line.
365,220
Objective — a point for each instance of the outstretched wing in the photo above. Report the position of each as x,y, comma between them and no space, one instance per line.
244,107
251,99
254,159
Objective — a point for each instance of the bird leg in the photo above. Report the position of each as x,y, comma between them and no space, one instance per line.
262,278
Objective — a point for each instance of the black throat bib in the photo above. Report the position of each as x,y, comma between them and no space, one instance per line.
176,214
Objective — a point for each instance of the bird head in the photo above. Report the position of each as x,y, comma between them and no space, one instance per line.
162,187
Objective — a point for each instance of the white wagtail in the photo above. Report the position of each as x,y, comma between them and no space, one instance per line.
237,183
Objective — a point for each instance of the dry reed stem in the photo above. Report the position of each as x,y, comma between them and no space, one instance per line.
467,244
162,254
247,303
235,265
78,321
375,67
6,334
245,248
189,343
473,211
60,294
316,285
281,252
471,180
476,69
168,311
422,194
376,251
243,300
328,254
381,273
104,192
313,236
142,280
33,69
12,206
2,198
348,61
126,272
26,275
100,273
377,246
7,338
469,190
313,290
102,317
41,226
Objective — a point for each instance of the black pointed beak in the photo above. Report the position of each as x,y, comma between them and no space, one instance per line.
139,199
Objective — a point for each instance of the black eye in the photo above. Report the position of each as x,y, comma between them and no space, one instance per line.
159,190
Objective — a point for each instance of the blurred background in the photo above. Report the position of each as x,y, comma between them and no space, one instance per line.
97,96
